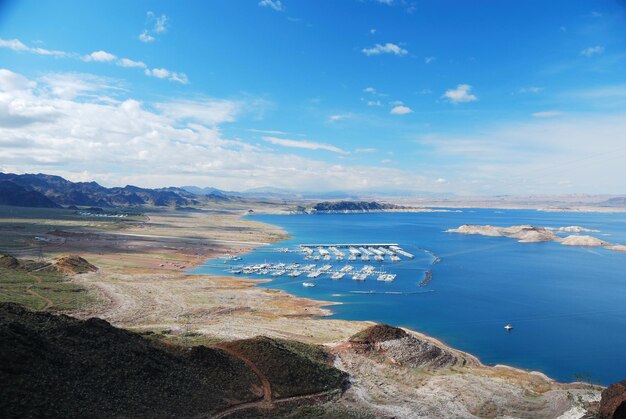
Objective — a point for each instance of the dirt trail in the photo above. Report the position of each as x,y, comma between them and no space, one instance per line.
267,387
30,291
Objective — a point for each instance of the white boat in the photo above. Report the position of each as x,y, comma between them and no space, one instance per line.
395,258
294,274
235,271
337,275
508,327
386,277
379,258
308,284
352,256
325,268
365,258
360,277
347,268
314,274
278,273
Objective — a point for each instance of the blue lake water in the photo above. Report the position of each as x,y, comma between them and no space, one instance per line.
567,304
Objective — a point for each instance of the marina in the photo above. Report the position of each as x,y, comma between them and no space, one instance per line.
330,253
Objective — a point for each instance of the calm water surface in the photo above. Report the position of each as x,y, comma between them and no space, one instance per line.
567,304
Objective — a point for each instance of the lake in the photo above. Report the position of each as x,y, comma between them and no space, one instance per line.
567,304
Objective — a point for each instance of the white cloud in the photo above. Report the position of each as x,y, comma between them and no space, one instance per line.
533,156
208,112
374,103
19,46
163,73
365,150
146,37
387,2
460,95
370,90
547,114
157,25
72,85
373,31
400,110
126,62
309,145
429,60
273,4
60,133
388,48
441,181
100,56
10,81
591,51
160,24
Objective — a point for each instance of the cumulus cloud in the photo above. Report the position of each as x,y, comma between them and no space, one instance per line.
591,51
96,136
272,4
460,95
400,110
19,46
388,48
100,56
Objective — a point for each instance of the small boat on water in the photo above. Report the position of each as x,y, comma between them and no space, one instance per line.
508,327
308,284
337,275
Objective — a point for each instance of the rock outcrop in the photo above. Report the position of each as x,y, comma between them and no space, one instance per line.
524,233
401,348
613,402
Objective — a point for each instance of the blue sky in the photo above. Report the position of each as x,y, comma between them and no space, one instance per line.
486,97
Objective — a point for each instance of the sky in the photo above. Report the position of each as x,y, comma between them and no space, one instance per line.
483,97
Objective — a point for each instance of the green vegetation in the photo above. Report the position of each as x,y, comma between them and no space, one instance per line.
292,368
42,290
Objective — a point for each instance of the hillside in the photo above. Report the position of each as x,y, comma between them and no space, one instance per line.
13,194
58,366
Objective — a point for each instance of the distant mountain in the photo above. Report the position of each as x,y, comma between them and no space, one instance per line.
618,201
59,191
13,194
208,191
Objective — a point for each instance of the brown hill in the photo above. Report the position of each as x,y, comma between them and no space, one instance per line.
73,265
59,366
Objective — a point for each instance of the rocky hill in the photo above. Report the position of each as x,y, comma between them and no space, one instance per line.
59,366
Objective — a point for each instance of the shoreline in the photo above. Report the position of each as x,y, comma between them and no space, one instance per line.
328,312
